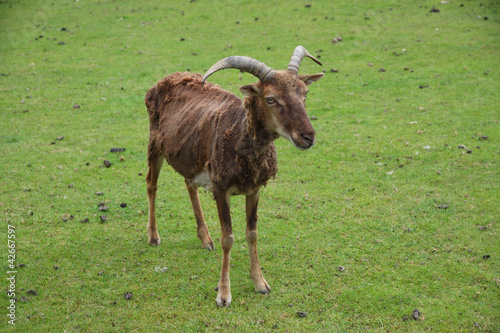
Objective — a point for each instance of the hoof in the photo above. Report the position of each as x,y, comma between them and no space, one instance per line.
154,242
223,302
262,287
210,246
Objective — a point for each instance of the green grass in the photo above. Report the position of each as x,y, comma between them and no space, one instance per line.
367,197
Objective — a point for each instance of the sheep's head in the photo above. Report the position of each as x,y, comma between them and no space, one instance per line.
281,95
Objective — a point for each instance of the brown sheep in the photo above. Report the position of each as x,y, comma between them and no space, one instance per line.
217,141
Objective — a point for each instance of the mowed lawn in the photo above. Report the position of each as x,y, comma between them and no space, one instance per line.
396,208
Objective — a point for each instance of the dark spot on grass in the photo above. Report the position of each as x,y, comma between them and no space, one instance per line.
76,106
434,10
486,256
32,292
85,220
56,267
117,150
415,314
103,218
107,163
128,295
302,314
123,205
482,228
381,70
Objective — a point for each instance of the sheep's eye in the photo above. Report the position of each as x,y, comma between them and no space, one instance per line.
270,100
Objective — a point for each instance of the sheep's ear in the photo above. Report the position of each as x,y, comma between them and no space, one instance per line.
310,78
250,89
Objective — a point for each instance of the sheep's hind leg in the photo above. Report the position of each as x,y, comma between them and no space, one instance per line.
202,229
155,164
224,287
259,282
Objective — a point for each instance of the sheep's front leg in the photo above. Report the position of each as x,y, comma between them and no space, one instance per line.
224,287
261,286
202,230
155,162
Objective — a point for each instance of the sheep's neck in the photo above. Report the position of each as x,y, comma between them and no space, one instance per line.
256,130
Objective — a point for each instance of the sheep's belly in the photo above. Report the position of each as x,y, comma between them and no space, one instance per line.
203,179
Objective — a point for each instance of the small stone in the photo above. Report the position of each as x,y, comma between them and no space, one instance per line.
341,268
382,70
56,267
128,295
302,314
443,206
60,137
103,208
99,193
482,228
76,106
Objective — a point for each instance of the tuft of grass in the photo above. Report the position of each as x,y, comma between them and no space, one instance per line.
401,190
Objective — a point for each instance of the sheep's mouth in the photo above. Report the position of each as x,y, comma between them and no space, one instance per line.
304,146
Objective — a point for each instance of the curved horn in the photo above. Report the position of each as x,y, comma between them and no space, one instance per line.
245,64
298,54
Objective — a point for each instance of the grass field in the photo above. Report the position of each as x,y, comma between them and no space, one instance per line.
401,190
